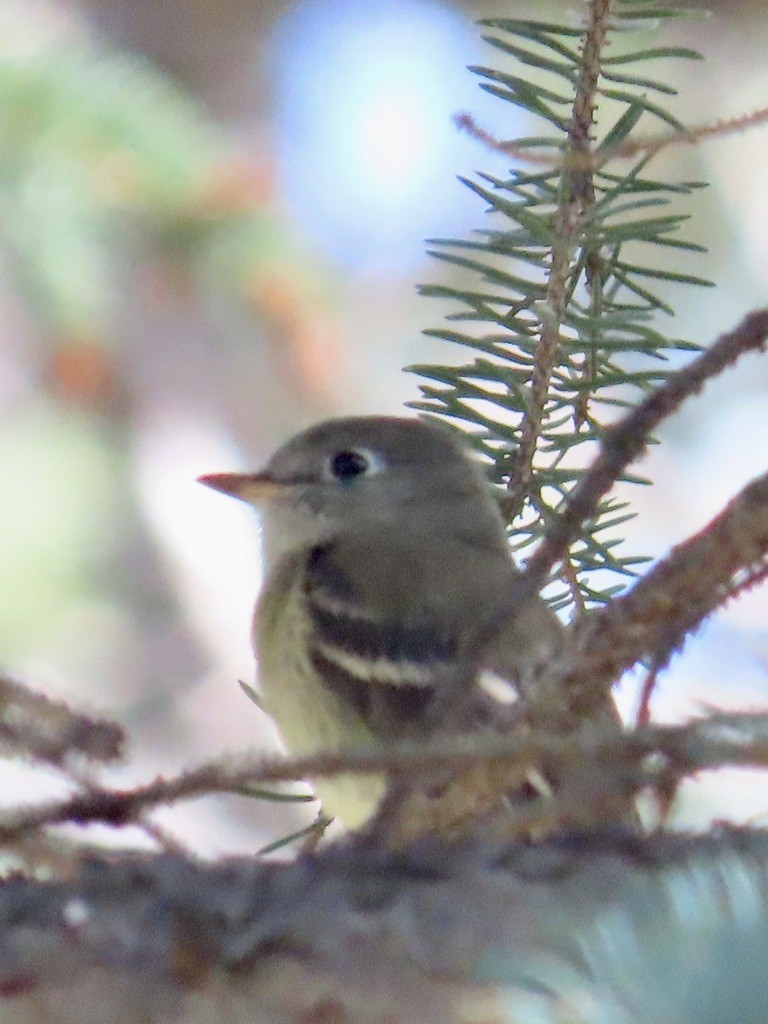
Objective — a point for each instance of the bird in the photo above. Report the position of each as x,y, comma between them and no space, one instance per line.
386,560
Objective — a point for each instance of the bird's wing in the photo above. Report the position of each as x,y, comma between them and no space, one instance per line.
392,621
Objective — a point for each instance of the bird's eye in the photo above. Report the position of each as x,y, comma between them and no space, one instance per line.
345,465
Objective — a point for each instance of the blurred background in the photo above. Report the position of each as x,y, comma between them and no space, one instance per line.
211,227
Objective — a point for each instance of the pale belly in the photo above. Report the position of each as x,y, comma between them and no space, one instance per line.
311,718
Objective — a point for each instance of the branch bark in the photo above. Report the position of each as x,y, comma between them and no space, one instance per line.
585,929
671,601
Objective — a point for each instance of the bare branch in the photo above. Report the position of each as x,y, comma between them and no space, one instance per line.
653,619
35,726
592,161
619,762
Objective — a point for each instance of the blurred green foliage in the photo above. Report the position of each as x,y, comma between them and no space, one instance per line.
100,152
58,521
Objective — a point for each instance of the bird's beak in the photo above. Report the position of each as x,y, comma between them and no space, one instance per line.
255,488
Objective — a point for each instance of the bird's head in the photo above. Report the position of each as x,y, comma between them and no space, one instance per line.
360,473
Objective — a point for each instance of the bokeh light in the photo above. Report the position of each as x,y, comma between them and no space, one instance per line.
367,149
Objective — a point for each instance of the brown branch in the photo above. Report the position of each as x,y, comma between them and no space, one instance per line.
689,136
673,599
621,760
50,731
590,162
123,807
601,771
743,582
646,692
626,440
572,581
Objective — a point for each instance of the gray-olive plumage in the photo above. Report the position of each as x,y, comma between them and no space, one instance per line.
386,559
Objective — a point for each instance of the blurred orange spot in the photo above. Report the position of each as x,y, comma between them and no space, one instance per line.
314,343
319,356
235,187
276,296
82,372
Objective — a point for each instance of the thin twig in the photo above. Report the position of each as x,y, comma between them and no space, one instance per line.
593,161
646,692
710,743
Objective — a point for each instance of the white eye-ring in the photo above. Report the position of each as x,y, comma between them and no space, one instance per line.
347,463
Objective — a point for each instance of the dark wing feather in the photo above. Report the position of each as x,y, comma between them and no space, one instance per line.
390,627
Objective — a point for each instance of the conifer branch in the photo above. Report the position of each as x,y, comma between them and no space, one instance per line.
576,195
567,296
